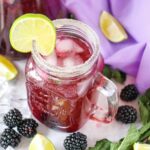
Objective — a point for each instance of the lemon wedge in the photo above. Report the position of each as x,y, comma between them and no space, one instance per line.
111,28
7,68
40,142
139,146
33,27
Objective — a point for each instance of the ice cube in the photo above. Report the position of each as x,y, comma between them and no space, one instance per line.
51,59
68,62
78,49
60,62
72,61
78,60
83,86
64,47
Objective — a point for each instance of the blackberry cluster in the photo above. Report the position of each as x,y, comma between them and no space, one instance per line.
27,128
10,138
76,141
129,93
13,118
126,114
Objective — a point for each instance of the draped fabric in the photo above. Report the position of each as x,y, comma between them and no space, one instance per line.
131,56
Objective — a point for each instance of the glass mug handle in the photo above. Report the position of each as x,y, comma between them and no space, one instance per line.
106,100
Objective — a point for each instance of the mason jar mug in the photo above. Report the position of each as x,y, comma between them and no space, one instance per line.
65,97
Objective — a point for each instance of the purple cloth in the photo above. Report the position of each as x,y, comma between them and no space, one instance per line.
131,56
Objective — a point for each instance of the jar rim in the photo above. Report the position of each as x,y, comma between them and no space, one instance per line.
74,70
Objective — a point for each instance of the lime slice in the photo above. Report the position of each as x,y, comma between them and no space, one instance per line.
40,142
138,146
111,28
33,27
7,69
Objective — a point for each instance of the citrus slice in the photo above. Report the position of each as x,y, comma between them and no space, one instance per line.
33,27
7,69
139,146
111,28
40,142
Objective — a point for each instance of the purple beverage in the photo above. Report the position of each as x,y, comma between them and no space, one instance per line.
63,88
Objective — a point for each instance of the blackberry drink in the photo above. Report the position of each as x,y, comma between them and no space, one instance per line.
64,88
58,101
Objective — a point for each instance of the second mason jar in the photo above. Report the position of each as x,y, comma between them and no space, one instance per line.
11,9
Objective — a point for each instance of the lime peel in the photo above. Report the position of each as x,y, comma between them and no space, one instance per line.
31,27
139,146
111,28
40,142
8,69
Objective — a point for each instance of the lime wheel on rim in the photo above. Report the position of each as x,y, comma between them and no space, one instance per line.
31,27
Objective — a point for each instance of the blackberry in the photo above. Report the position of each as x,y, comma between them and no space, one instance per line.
126,114
13,118
71,16
28,128
31,122
10,138
76,141
129,93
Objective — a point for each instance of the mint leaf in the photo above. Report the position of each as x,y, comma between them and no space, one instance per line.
134,135
144,132
143,138
130,139
147,93
144,128
114,146
101,145
144,112
118,76
144,107
107,71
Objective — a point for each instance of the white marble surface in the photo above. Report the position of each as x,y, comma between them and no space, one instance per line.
94,131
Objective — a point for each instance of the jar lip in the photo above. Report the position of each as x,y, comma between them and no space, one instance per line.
75,70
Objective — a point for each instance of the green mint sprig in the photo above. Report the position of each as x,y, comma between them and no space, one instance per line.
144,107
134,135
116,74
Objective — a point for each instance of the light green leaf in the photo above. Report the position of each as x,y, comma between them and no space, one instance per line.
144,112
144,107
130,139
144,128
114,146
101,145
144,132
